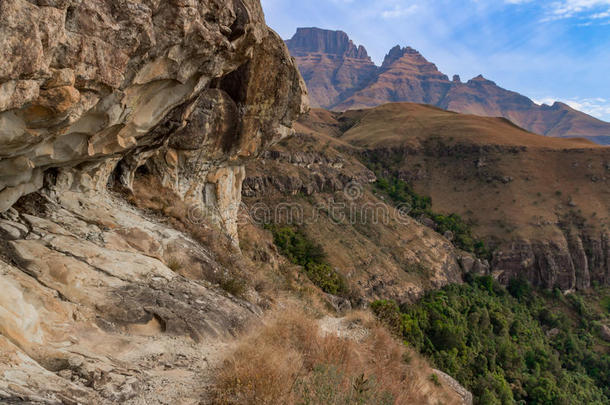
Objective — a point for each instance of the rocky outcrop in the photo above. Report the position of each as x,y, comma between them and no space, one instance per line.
113,84
319,173
332,65
406,76
572,261
90,308
467,397
101,302
323,41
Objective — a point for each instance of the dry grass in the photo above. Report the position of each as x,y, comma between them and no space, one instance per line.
288,361
399,123
530,182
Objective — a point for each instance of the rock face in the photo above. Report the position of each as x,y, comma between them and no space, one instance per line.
406,75
114,84
90,93
572,260
333,67
466,395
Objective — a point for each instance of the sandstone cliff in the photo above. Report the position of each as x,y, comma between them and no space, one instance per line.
95,307
406,75
333,67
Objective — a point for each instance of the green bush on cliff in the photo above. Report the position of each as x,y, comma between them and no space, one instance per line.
421,206
506,346
297,248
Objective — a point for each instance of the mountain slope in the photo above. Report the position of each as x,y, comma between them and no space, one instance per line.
406,76
540,203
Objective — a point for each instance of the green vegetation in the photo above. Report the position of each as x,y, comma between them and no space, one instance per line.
401,193
233,285
509,345
297,248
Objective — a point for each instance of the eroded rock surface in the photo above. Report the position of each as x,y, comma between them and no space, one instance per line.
92,310
94,81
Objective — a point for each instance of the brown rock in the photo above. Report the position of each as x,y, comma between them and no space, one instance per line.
95,80
605,333
331,64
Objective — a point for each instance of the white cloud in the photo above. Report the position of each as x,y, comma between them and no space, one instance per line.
583,9
605,14
399,11
564,9
598,107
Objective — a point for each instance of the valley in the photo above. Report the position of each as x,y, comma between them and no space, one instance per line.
179,226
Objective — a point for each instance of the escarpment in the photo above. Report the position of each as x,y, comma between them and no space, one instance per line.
103,302
342,77
539,204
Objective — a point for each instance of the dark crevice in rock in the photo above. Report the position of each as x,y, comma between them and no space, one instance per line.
235,83
242,19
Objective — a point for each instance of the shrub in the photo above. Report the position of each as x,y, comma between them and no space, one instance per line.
296,247
174,264
323,276
389,313
233,285
606,304
519,288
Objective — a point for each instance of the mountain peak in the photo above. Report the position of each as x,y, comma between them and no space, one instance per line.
398,52
341,76
317,40
480,79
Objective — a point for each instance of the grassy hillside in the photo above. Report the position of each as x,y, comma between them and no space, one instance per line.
472,185
504,179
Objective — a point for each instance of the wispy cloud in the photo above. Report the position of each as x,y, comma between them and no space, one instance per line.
399,11
598,107
581,9
565,9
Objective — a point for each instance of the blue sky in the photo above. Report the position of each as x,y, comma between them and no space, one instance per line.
546,50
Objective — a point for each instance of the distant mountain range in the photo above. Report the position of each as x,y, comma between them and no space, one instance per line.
342,76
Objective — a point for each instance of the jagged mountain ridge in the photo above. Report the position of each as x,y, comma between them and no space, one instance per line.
341,76
331,64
